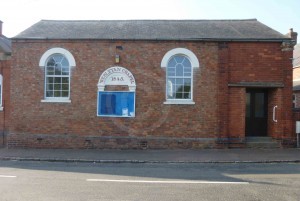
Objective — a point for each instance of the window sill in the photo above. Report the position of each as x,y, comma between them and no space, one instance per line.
122,116
179,102
1,109
56,101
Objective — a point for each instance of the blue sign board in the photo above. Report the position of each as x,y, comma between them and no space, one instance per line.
116,103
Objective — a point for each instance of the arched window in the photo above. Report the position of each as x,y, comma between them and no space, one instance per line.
57,74
179,78
179,64
57,63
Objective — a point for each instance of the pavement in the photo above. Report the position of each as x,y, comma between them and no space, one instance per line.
154,156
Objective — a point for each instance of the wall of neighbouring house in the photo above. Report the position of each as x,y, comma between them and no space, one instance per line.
296,73
296,93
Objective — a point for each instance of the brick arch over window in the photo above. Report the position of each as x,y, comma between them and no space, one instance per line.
180,51
57,50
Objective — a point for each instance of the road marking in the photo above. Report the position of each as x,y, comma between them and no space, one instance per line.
165,181
7,176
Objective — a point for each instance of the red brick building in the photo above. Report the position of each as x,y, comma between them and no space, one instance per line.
5,65
150,84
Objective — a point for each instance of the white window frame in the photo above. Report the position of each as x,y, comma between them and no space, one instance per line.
1,93
43,63
194,63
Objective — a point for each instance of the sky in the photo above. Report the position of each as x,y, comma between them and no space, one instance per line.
18,15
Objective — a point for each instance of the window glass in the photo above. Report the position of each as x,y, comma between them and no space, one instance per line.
108,104
179,59
294,101
171,71
112,103
179,70
187,63
248,105
259,105
179,78
172,63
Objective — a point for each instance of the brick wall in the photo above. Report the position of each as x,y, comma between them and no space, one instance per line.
78,118
256,62
261,62
217,112
236,128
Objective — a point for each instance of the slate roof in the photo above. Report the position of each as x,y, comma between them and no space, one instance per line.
5,45
216,30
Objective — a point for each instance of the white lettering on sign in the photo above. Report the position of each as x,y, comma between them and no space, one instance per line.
114,70
116,76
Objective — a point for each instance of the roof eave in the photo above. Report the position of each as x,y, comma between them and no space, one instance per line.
165,39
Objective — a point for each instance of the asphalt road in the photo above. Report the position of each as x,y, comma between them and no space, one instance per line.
46,181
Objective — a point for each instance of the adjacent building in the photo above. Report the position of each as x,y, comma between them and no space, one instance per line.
296,76
5,65
150,84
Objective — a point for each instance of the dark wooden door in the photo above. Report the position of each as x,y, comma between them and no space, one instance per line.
256,112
